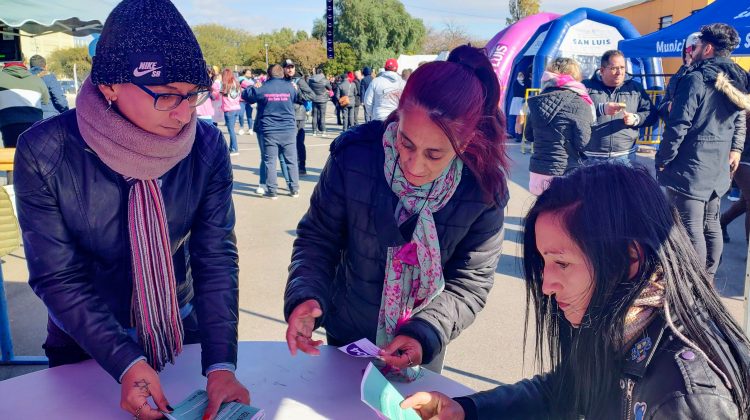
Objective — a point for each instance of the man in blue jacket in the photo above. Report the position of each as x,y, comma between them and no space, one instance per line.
58,102
704,137
277,123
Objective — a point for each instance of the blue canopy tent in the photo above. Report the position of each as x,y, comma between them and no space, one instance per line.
559,29
669,41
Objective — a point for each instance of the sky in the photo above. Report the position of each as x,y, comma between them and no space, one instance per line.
482,19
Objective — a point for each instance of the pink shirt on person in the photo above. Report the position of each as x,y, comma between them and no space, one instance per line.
227,102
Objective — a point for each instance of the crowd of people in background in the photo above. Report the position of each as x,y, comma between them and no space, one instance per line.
231,101
356,96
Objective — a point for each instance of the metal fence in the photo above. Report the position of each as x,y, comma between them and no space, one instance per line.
524,143
648,135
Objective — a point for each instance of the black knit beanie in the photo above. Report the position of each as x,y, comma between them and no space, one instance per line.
147,42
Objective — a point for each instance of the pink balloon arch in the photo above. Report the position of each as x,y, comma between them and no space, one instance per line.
503,48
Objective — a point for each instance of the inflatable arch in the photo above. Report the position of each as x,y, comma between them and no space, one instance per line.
503,48
585,34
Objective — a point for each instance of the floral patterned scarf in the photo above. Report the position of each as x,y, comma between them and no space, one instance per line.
413,272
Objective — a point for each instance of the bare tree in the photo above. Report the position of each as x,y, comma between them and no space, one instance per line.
519,9
449,37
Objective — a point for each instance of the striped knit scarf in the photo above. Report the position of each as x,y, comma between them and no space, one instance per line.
141,158
155,310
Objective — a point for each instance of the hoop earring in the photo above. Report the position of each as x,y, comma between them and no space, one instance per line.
109,102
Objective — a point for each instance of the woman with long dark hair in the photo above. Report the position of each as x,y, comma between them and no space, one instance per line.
625,313
403,233
230,91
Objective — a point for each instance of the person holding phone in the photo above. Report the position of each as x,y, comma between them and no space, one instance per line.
622,108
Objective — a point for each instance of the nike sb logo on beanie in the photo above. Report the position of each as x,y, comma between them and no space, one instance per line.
147,68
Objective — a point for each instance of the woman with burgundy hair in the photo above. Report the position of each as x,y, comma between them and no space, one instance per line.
404,229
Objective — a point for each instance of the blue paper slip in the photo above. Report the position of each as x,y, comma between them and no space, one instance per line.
383,397
192,408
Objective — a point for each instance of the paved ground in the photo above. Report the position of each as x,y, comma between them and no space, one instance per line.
488,353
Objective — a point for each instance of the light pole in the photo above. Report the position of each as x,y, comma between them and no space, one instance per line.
266,44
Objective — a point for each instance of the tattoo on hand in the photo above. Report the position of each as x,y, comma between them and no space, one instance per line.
142,384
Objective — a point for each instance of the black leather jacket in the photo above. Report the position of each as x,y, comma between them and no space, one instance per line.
661,378
340,252
74,217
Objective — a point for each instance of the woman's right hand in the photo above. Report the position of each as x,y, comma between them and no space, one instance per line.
435,406
139,383
301,326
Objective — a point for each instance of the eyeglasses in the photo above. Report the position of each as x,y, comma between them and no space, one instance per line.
618,69
170,101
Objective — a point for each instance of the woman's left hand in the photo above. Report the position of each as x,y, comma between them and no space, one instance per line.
223,387
402,352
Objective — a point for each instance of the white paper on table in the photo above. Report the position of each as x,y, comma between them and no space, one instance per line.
291,409
361,348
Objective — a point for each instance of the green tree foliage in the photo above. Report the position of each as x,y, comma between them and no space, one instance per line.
61,62
307,54
519,9
376,30
229,47
319,29
345,60
376,59
222,46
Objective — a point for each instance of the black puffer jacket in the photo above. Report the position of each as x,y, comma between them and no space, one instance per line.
363,85
661,379
340,252
320,87
304,94
693,157
73,212
610,135
666,102
559,125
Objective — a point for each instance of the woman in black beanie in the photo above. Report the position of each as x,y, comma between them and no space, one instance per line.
126,209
